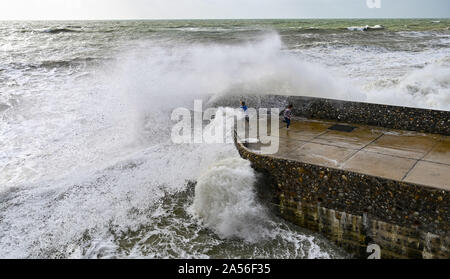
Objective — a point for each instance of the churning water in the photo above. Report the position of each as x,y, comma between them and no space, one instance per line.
87,168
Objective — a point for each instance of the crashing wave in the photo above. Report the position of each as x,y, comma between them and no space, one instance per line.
365,28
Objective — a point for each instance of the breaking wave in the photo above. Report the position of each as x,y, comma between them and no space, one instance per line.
428,87
60,30
365,28
225,200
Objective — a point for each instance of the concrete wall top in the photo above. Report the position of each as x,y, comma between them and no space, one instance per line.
388,116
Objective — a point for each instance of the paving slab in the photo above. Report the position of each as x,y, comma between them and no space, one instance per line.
304,130
321,154
381,165
429,173
408,145
288,146
356,139
440,153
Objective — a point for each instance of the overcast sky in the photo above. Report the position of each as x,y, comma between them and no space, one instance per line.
180,9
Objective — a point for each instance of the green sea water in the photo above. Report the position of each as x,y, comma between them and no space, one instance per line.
331,25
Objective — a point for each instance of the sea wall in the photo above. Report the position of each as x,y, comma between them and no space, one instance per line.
395,117
354,210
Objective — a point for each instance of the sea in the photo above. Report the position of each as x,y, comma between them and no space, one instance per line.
87,165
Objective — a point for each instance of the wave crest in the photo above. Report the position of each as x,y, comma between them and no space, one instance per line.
60,30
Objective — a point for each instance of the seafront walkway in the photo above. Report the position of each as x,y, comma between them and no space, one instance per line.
359,173
407,156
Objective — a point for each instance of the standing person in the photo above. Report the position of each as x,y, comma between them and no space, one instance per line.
287,115
244,108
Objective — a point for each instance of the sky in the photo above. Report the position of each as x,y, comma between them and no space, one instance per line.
220,9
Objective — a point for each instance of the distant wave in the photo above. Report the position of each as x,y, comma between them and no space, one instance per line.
339,29
65,63
60,30
365,28
313,30
79,61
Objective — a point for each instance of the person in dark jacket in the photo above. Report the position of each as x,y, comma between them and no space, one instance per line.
287,115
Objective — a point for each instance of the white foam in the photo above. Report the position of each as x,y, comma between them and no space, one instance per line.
365,28
225,200
358,28
428,87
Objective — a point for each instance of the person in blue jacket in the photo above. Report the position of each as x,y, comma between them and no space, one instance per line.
244,108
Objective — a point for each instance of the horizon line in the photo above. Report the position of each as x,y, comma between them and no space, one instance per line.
268,18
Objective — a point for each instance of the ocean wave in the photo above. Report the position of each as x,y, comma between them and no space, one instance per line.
60,30
67,63
203,29
79,61
365,28
426,87
313,30
226,202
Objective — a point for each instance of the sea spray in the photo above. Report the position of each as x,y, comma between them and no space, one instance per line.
225,200
170,77
425,87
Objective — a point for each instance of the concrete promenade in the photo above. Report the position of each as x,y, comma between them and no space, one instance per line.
407,156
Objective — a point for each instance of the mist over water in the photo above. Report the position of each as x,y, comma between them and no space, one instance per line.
87,168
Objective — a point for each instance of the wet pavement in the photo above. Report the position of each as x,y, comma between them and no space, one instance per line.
394,154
